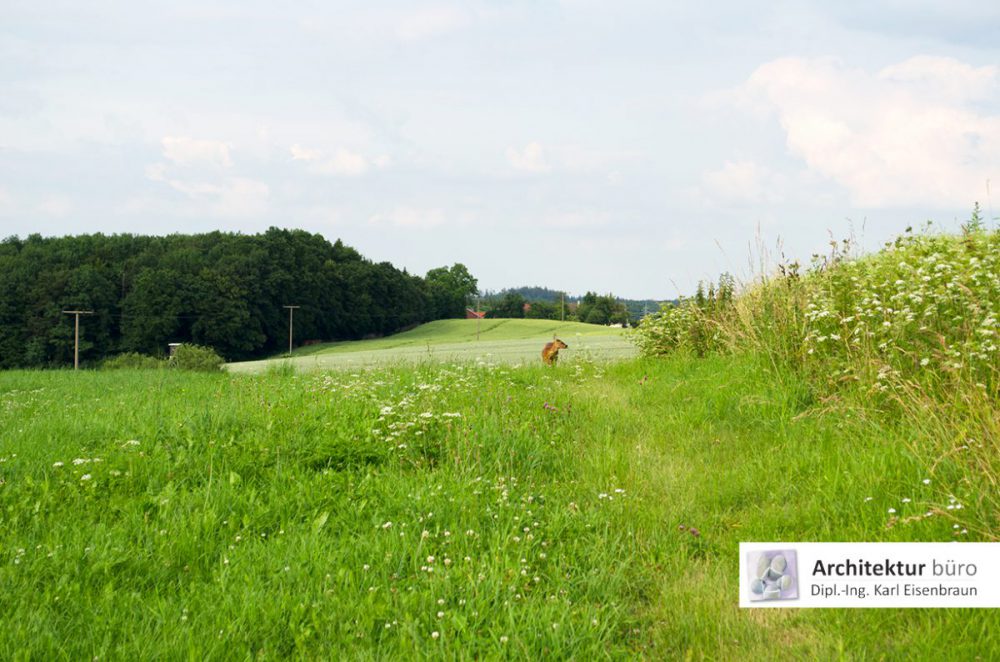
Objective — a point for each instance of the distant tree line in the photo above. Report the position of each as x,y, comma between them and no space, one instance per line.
221,290
544,303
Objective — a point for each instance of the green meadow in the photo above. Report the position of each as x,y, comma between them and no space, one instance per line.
507,341
457,510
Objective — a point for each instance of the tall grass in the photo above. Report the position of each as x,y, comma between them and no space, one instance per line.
910,332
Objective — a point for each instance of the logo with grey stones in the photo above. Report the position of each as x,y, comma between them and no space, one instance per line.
773,575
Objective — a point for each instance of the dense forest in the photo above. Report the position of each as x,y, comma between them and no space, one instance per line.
223,290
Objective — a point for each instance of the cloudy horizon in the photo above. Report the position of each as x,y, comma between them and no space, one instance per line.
633,147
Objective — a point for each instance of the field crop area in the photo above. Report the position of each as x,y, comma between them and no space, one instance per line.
507,341
589,511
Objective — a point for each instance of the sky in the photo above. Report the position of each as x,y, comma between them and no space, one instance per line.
628,147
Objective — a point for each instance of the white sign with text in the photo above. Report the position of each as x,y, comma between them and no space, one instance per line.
859,575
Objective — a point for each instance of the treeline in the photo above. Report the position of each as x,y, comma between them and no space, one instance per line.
592,308
545,303
222,290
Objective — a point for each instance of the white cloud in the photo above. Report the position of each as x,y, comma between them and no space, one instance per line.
409,217
343,162
530,159
743,182
588,159
190,152
575,220
533,157
323,216
156,172
409,25
57,206
238,197
241,198
910,134
942,76
300,153
430,22
194,189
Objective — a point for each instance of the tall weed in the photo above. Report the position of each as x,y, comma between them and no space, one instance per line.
909,333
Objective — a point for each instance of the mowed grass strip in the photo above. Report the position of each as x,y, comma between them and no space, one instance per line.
451,510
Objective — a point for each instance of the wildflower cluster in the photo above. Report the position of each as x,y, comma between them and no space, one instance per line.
911,331
927,306
685,326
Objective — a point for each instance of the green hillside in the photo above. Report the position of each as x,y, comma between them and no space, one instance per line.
511,341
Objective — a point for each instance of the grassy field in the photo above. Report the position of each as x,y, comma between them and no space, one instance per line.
507,341
450,510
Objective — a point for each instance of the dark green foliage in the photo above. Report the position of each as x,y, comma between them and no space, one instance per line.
197,358
689,325
510,305
975,223
606,309
542,310
547,303
132,361
221,290
451,290
535,293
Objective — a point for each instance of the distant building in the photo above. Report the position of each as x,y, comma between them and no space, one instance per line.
172,349
471,314
526,308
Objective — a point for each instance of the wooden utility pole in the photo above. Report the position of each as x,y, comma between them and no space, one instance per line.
291,313
76,341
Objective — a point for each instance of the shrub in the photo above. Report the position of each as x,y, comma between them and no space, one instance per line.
131,361
683,327
197,358
691,325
